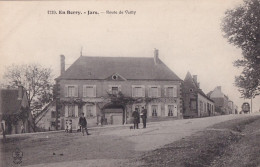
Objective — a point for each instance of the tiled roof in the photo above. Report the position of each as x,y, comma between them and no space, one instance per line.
9,102
131,68
189,79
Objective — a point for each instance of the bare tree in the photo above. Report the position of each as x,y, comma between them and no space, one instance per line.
37,81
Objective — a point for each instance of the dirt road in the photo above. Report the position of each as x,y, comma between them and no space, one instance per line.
105,147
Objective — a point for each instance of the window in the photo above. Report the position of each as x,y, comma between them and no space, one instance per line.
154,91
114,90
170,110
154,110
53,114
89,91
71,111
53,123
193,105
89,110
138,91
71,91
171,91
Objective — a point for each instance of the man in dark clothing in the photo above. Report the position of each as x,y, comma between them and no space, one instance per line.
83,124
144,116
136,117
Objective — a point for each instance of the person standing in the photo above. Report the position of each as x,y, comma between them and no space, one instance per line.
136,117
83,124
22,129
144,116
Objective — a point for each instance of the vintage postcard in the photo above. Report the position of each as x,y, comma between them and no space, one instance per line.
129,83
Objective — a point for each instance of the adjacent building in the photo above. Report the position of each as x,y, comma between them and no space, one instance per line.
15,115
195,102
86,85
222,102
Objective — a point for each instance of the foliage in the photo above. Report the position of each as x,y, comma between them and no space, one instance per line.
241,27
36,80
121,99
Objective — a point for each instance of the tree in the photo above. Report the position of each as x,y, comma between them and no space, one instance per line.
36,80
241,27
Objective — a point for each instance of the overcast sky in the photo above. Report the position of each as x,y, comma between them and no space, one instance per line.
186,32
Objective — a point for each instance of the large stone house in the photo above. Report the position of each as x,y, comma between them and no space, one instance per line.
85,87
195,102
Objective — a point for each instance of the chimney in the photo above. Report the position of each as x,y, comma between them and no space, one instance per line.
62,64
219,88
20,92
195,78
156,56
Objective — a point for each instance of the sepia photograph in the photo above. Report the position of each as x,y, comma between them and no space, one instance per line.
95,83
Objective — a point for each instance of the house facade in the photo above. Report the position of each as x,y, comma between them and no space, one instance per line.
195,102
222,102
87,85
14,111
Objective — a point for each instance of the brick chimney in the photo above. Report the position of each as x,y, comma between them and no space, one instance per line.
62,64
156,56
20,92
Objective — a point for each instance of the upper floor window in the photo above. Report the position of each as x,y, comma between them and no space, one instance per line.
154,91
138,91
171,91
114,89
71,91
89,91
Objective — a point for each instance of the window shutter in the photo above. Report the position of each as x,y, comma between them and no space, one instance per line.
76,93
149,110
95,91
159,91
165,91
85,110
174,91
66,111
66,91
133,94
76,111
166,110
84,91
143,91
95,110
149,91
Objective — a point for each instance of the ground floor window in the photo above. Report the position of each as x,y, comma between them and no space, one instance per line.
170,110
89,110
154,110
71,111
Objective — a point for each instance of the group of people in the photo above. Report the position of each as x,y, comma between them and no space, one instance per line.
82,125
136,115
83,122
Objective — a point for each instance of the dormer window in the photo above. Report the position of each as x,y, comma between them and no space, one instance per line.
114,77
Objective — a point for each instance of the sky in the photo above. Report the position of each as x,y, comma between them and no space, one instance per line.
186,32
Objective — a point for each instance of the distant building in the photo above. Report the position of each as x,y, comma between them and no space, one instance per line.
195,101
14,111
222,102
84,88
